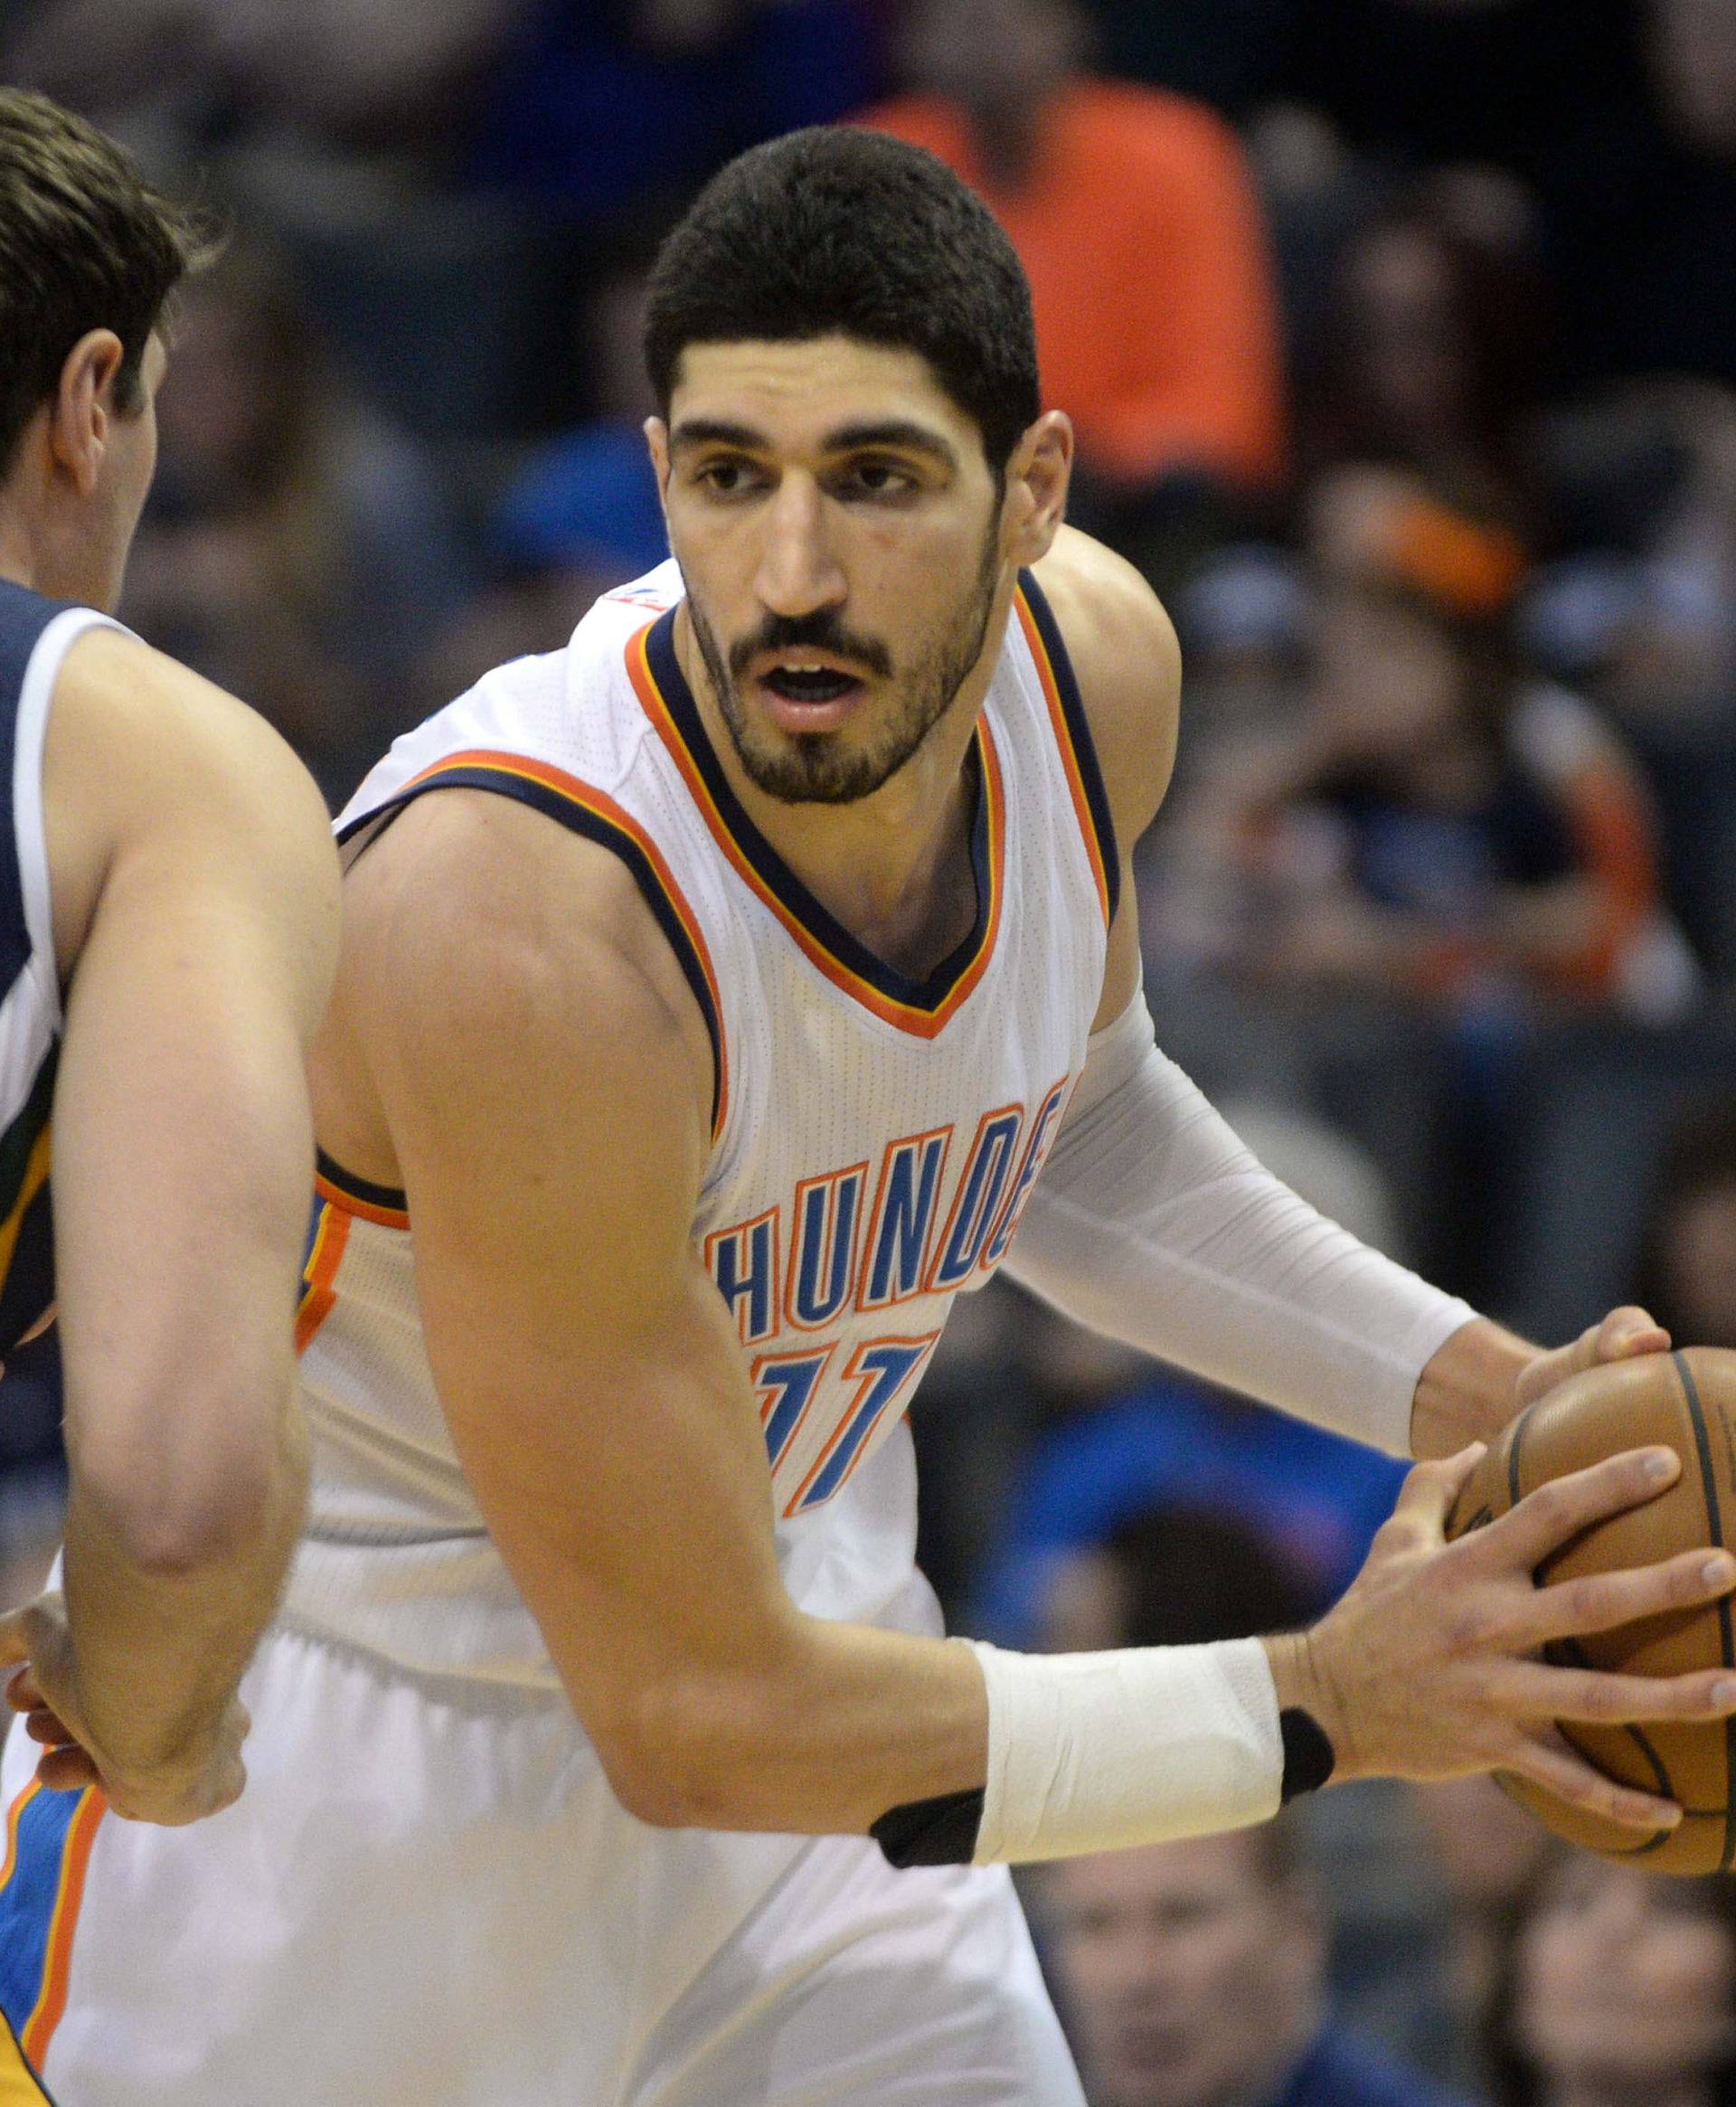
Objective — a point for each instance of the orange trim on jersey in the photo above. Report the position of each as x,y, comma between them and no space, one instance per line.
1069,754
923,1023
604,807
798,1247
768,1397
320,1292
877,1216
774,1301
865,1379
13,1818
39,2029
347,1202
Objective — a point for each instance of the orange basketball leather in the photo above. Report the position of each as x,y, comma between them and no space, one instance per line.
1686,1401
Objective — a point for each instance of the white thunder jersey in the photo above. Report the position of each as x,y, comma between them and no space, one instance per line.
874,1138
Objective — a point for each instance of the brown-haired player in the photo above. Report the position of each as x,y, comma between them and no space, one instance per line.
167,931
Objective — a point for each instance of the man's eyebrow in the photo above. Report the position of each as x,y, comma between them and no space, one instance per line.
898,433
704,431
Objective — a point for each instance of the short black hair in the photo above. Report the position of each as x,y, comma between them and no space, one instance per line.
840,231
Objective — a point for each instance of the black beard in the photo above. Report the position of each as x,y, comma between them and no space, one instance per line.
818,768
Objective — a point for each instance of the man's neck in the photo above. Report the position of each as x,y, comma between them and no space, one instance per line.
891,867
17,558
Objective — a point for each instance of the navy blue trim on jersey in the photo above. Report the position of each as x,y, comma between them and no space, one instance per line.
26,1210
28,1294
594,825
23,617
927,994
353,1187
1072,707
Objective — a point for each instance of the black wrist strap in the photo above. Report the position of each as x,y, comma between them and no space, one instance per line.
931,1832
1308,1755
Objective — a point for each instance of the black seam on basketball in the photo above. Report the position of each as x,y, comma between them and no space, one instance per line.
1484,1516
1515,1441
1714,1524
1576,1656
1508,1780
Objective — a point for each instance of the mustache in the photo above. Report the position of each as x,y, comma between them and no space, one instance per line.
820,631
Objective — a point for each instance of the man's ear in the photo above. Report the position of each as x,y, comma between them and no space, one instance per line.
656,437
1037,479
82,406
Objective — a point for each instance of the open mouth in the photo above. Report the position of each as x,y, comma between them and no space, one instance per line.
797,683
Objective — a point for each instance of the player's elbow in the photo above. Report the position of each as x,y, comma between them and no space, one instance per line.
690,1750
172,1511
167,1533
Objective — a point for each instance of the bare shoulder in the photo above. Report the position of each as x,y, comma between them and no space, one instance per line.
489,952
180,736
1129,666
149,766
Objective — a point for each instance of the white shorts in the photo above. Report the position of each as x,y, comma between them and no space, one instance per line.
430,1899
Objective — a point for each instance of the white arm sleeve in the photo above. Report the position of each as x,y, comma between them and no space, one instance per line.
1152,1222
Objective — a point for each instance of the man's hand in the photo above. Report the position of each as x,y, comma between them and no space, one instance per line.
202,1776
1430,1667
1483,1377
1623,1333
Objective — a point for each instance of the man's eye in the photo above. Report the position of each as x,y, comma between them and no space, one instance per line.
727,478
879,478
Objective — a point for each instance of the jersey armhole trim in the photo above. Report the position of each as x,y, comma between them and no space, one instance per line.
1073,738
587,812
388,1206
30,740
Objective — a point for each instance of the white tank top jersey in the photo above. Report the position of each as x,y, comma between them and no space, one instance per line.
874,1138
35,636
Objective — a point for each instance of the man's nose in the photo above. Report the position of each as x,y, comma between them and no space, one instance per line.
799,571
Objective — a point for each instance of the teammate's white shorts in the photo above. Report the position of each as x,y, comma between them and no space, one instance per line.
427,1899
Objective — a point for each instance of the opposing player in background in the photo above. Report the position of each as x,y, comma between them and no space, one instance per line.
719,996
168,908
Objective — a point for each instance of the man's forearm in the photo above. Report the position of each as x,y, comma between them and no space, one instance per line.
948,1751
160,1636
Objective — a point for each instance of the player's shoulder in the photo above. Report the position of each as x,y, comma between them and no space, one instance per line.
477,921
137,731
1128,663
149,770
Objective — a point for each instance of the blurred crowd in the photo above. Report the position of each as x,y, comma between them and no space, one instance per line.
1400,337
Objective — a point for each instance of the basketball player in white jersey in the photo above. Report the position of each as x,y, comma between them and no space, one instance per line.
721,995
167,931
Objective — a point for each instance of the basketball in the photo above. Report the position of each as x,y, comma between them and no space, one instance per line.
1681,1400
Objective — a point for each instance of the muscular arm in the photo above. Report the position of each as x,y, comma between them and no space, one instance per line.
194,892
546,1078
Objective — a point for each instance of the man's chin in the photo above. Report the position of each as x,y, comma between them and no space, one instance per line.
797,783
813,768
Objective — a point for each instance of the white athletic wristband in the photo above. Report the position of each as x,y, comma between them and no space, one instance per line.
1095,1752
